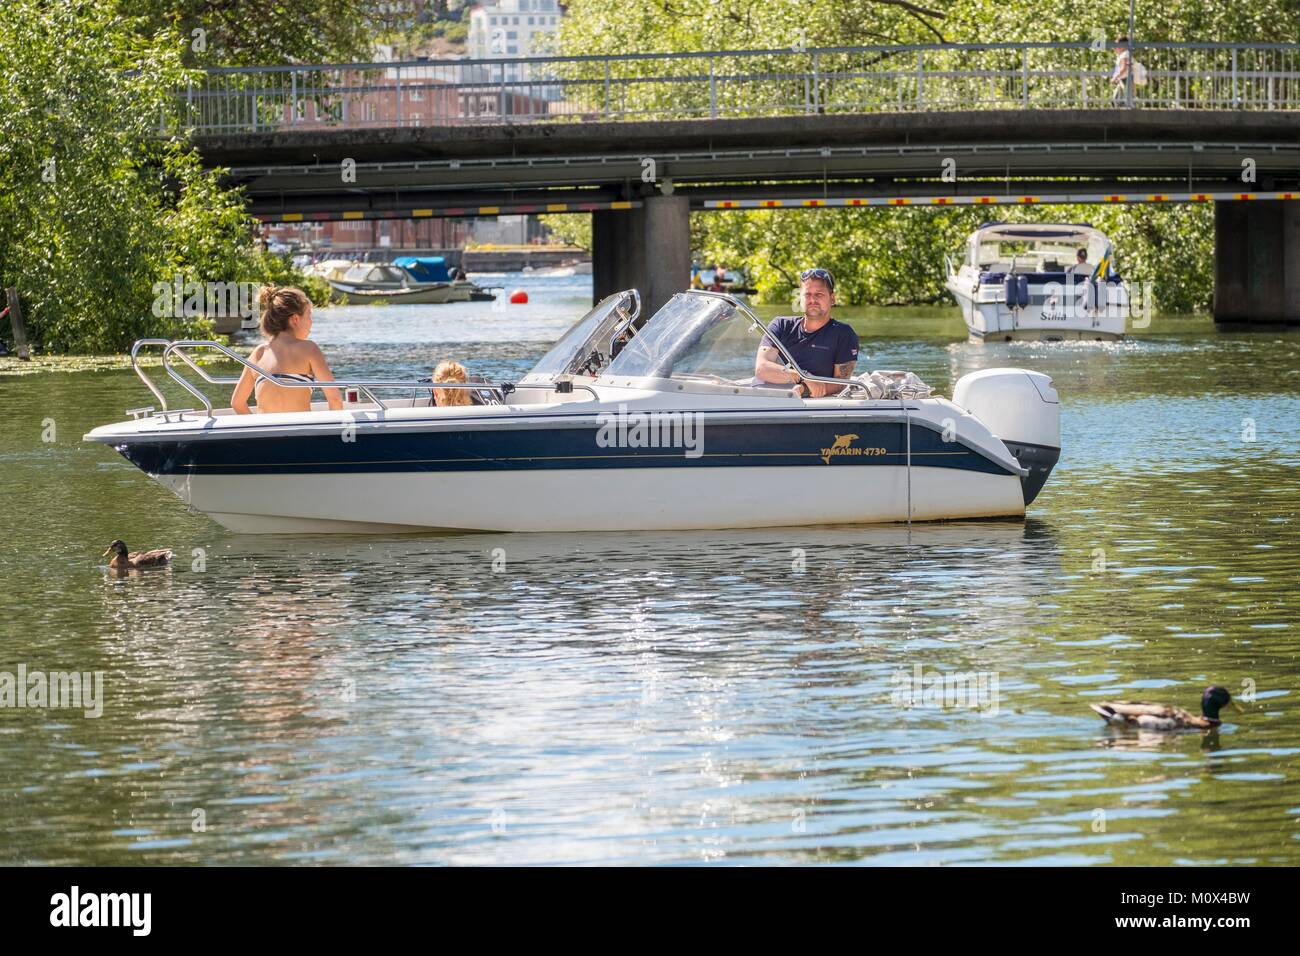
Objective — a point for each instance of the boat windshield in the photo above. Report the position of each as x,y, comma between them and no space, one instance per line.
585,348
694,336
372,273
1039,252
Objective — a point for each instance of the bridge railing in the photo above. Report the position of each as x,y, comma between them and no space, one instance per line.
738,83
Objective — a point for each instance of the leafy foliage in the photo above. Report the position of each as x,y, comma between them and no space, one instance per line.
883,256
95,206
239,33
572,230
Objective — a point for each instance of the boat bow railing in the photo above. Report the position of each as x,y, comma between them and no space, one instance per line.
181,350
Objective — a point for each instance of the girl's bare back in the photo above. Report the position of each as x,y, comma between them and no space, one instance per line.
284,355
286,322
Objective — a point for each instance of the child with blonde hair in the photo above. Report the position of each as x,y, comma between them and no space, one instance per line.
451,372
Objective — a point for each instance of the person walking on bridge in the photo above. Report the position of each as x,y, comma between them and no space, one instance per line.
1124,64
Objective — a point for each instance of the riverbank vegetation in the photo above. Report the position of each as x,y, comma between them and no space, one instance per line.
96,207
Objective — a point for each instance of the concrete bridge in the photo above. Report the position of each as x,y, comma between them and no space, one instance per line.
639,142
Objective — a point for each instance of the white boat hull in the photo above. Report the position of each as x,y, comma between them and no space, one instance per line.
604,500
988,319
435,294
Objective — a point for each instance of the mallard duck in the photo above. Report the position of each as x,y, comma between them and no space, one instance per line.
1129,713
123,561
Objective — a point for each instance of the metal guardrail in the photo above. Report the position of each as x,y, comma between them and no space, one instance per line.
736,83
179,348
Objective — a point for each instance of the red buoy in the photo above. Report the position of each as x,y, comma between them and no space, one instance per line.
519,297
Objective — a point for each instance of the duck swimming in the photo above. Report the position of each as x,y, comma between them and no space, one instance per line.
1165,716
121,560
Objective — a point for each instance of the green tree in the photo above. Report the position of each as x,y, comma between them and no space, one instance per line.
570,229
240,33
95,206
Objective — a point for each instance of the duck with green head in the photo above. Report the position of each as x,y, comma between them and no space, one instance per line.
123,560
1127,713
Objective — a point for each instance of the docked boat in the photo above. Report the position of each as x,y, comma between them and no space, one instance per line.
625,424
1025,281
409,280
433,269
381,282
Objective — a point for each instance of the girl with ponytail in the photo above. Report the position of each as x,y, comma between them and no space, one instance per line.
286,323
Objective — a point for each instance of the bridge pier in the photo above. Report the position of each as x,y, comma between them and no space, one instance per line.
647,248
1257,262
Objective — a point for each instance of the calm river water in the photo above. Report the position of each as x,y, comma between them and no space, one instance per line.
674,698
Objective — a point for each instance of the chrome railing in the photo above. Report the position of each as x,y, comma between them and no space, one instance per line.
180,347
736,83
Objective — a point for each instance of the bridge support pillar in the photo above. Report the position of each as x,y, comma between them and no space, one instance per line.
647,249
1257,262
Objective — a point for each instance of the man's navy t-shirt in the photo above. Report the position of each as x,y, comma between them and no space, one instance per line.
835,343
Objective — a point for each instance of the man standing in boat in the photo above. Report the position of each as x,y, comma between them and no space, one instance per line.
819,345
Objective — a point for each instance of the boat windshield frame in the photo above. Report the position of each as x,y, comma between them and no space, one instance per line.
684,334
592,337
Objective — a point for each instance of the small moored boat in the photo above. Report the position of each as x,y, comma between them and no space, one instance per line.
374,282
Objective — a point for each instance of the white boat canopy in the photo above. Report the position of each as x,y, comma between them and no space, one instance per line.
1035,246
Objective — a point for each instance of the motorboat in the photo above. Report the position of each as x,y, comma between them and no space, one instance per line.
381,281
573,267
1024,281
409,279
433,269
626,423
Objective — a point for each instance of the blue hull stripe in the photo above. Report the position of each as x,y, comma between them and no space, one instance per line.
722,445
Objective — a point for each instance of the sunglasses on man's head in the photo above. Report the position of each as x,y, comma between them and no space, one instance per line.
818,274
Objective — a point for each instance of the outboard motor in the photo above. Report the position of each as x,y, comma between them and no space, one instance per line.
1022,408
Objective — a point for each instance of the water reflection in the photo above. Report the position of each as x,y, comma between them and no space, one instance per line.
679,697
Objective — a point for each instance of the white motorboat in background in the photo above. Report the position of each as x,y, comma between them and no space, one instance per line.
1023,281
622,425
